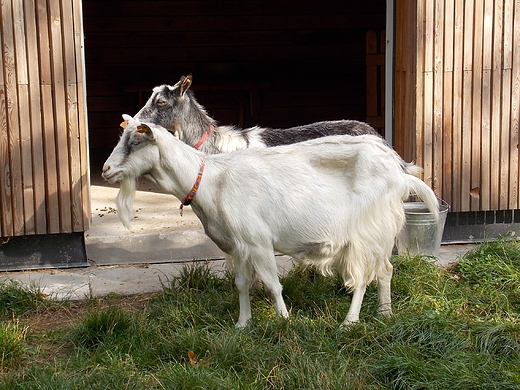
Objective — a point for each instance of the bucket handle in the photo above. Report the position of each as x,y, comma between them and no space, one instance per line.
442,202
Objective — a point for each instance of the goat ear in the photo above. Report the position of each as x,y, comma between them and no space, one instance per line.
185,83
144,129
127,119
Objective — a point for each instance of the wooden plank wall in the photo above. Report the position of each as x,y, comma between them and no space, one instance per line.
405,88
458,98
44,174
253,62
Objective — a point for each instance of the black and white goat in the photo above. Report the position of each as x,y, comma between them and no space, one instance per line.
333,202
176,109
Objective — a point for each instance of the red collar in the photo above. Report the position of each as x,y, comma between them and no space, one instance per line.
187,200
204,137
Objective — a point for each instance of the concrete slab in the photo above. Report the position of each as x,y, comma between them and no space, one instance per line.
159,233
98,281
449,254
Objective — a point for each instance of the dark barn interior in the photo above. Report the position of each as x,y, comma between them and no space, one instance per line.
259,62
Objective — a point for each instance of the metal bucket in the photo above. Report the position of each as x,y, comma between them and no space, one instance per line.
421,234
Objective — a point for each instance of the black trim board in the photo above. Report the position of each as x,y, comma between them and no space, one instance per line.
42,251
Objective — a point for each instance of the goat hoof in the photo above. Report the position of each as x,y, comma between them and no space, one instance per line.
347,324
242,325
387,313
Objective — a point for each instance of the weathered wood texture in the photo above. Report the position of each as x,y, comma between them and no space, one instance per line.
457,98
253,62
44,173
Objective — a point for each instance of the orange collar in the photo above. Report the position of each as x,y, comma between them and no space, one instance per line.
204,137
188,199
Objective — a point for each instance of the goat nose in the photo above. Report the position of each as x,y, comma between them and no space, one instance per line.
106,168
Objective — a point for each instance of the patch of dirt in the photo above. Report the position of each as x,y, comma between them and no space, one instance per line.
46,327
60,316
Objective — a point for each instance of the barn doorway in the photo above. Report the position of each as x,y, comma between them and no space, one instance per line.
253,63
256,62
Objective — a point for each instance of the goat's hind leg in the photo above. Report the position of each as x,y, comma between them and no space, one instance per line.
384,280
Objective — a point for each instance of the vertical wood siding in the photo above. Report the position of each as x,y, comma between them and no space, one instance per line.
44,182
457,98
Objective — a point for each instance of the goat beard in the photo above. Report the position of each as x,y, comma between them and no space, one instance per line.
125,201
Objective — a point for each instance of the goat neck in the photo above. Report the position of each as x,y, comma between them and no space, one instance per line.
178,167
194,126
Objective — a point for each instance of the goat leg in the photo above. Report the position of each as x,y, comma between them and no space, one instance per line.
383,290
267,270
243,284
355,306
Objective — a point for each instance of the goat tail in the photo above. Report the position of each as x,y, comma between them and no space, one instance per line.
125,201
412,169
423,191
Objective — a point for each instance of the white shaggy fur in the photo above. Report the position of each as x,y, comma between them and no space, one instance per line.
333,202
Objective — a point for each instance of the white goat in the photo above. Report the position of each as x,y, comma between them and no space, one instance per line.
333,202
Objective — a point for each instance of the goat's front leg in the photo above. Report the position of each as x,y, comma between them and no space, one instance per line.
267,271
355,306
243,284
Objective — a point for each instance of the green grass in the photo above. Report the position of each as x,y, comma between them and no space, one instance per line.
453,329
17,299
12,345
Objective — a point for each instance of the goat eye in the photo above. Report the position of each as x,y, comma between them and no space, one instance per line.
162,102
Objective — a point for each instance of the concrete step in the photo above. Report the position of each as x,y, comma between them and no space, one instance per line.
158,233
